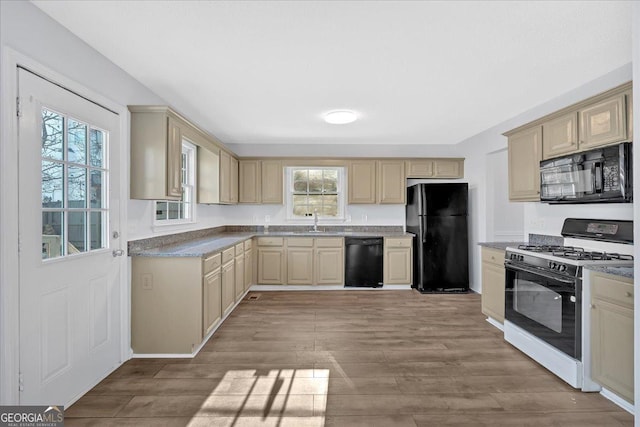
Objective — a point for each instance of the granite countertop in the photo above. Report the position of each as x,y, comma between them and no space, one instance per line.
205,246
500,245
616,271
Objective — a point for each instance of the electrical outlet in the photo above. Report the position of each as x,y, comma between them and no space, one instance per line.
267,218
364,218
256,219
147,281
348,218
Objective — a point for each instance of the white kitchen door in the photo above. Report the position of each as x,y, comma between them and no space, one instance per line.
70,305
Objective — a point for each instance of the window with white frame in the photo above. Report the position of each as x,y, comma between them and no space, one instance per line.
183,210
315,189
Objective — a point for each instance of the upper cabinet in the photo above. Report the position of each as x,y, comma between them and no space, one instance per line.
604,122
392,183
525,153
261,181
208,175
362,182
435,168
228,178
156,147
560,135
271,183
249,176
601,120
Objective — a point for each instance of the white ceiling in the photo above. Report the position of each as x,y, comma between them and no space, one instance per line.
431,72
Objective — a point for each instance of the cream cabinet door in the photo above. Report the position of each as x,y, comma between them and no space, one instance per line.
419,168
234,180
250,178
362,182
448,168
208,176
329,266
299,266
493,276
397,266
612,347
392,184
271,266
225,177
174,160
248,269
612,333
212,301
525,153
228,287
603,123
239,276
560,135
272,191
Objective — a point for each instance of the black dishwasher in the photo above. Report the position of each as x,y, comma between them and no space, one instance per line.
363,262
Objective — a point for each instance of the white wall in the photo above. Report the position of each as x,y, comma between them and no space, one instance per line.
636,206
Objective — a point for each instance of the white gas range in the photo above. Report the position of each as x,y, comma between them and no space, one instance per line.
544,294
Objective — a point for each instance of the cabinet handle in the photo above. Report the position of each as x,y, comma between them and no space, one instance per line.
629,294
593,306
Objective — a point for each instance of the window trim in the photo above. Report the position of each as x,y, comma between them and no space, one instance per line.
190,149
342,208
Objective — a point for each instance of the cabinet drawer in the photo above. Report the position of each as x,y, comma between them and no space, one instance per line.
493,256
239,249
329,242
270,241
396,242
227,255
212,262
247,245
300,242
616,290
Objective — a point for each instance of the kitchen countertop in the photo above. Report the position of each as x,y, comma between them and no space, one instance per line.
205,246
500,245
616,271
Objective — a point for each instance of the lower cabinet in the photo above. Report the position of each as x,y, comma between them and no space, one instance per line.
493,277
248,268
329,261
212,302
397,264
612,333
228,280
271,261
300,261
239,271
177,302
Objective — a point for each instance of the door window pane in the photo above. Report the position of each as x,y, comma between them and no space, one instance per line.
97,220
95,189
96,148
77,142
52,236
77,232
77,187
52,135
52,184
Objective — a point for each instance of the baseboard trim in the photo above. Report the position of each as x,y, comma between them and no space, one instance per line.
608,394
495,323
271,288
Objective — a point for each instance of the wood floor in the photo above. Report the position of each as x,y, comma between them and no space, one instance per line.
346,358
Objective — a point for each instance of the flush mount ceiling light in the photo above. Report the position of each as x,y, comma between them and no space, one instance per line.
340,117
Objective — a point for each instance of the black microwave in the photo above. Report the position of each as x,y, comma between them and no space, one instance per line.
601,175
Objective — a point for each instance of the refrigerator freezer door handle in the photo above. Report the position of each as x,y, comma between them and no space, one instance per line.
423,232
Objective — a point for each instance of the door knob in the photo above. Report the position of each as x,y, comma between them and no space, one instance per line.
117,252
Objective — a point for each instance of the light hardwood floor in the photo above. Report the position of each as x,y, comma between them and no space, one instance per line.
346,358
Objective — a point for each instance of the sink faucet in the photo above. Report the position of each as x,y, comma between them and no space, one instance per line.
315,220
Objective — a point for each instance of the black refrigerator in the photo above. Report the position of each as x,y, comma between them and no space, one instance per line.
437,215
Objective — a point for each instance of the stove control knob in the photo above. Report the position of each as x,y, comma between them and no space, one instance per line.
563,267
521,258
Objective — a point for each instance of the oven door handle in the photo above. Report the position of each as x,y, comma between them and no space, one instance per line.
539,273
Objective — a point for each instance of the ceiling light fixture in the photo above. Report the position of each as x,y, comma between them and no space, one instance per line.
340,117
